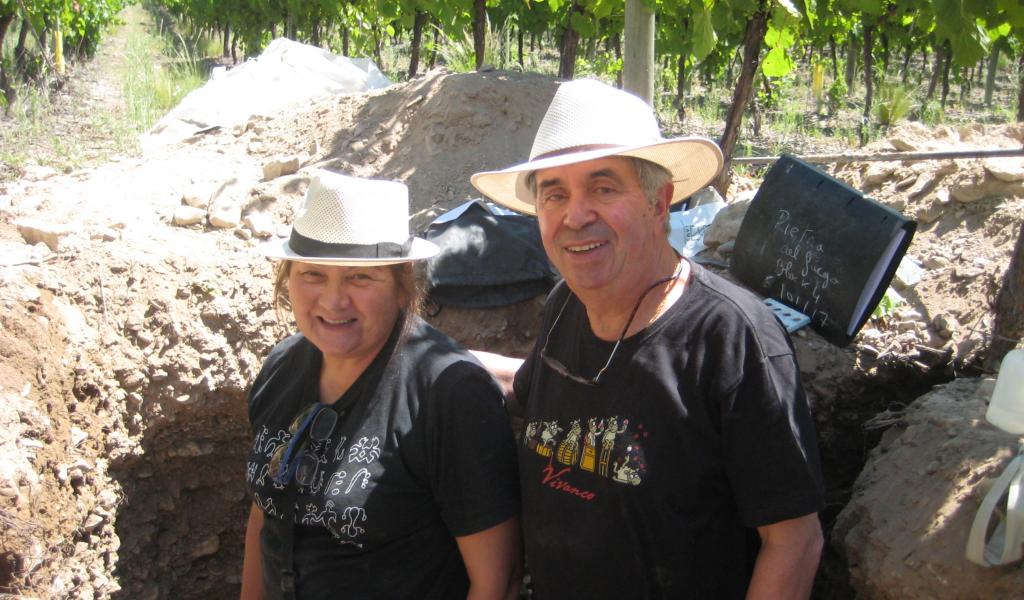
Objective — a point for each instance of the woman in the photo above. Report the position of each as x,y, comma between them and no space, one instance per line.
383,464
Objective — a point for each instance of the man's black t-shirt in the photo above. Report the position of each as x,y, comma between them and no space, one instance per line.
651,484
423,452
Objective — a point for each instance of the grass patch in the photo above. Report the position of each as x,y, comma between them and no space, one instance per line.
930,113
151,88
893,104
69,128
707,108
459,54
27,134
124,139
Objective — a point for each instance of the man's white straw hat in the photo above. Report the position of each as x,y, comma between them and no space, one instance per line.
349,221
588,119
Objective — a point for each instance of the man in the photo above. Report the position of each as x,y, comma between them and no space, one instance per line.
668,450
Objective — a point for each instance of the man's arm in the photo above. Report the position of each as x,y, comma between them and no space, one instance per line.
788,559
503,368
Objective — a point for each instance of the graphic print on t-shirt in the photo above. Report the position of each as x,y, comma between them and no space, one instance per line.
609,447
341,468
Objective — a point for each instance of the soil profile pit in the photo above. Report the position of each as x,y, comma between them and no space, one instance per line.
128,346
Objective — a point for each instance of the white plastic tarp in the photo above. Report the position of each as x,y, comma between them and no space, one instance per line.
286,74
688,227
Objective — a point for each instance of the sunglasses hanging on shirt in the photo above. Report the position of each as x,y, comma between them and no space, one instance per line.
295,461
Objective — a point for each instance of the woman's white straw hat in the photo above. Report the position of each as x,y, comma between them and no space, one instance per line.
588,119
349,221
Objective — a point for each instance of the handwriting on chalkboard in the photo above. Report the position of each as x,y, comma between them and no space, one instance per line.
801,278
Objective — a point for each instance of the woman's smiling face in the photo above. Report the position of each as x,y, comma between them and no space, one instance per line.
346,312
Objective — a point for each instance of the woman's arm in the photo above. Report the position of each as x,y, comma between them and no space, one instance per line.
252,565
503,369
494,561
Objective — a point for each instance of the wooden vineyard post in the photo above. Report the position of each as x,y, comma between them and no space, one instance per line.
638,61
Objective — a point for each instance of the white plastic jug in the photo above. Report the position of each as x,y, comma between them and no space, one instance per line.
1006,410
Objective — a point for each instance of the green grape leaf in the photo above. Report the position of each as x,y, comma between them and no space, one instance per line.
966,36
583,24
733,8
779,38
978,8
704,37
868,7
999,32
776,63
810,10
602,9
1014,11
970,46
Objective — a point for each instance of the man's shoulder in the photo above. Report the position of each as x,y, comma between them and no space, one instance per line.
718,285
727,296
728,309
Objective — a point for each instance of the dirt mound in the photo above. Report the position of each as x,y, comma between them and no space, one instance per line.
905,529
431,133
969,213
136,314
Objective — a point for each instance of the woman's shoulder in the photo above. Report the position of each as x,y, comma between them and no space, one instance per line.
451,380
431,352
288,354
288,348
425,339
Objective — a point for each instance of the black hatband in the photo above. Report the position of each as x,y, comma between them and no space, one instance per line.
311,248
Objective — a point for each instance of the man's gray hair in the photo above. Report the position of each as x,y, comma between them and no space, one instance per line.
652,176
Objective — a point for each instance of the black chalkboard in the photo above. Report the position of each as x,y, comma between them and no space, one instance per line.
819,246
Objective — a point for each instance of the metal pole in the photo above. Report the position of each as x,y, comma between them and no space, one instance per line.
890,156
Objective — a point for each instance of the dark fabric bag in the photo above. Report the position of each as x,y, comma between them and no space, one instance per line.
487,260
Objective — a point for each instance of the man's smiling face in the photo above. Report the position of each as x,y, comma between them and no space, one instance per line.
598,228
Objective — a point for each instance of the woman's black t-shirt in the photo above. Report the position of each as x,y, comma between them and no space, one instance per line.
422,453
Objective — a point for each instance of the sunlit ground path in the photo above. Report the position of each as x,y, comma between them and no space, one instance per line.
88,120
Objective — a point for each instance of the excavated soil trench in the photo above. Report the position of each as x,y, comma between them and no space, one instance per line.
129,337
181,525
